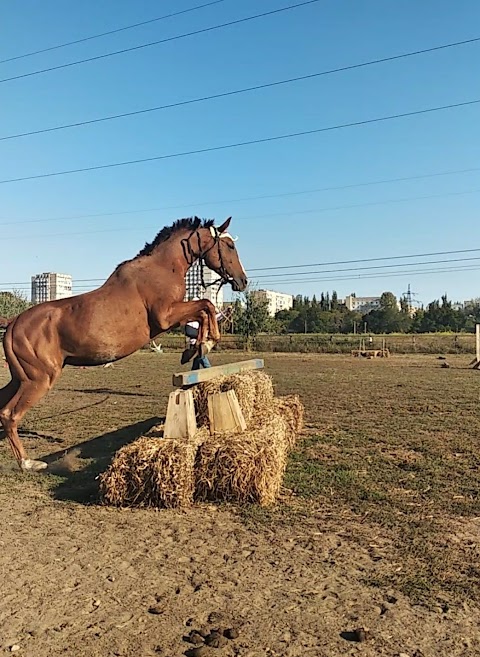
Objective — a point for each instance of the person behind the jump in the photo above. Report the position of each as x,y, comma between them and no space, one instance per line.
191,332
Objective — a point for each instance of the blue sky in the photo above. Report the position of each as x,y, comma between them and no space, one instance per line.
286,230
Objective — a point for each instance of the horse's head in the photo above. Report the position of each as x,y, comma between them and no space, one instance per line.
223,257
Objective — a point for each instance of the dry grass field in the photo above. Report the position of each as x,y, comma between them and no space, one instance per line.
378,525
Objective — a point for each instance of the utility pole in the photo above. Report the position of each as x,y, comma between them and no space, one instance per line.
409,296
476,362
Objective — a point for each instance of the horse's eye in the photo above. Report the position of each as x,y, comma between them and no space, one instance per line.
231,246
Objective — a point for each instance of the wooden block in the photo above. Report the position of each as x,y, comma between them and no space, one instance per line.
182,379
180,423
224,412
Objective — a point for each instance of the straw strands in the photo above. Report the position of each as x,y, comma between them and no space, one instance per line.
254,390
244,467
152,471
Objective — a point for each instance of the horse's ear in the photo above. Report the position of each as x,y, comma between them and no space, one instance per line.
224,226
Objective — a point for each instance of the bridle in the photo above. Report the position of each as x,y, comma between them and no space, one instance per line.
191,256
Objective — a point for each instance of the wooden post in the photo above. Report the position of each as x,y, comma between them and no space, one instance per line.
224,412
181,422
476,362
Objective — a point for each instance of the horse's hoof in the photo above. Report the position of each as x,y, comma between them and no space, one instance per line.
206,347
30,465
187,355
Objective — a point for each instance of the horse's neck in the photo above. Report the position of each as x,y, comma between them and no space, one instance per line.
183,249
174,254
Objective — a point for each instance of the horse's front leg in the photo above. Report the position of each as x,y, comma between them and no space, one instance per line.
202,311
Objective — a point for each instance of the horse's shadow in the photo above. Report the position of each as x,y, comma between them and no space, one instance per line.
108,391
78,467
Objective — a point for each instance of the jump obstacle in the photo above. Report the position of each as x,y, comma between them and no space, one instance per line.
226,437
363,352
224,411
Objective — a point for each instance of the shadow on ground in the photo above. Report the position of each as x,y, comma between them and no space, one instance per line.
109,391
78,467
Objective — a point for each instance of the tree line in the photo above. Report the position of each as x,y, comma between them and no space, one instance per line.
327,315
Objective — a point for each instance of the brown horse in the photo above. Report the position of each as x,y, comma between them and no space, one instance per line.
142,298
4,322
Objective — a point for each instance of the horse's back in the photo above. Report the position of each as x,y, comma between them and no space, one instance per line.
92,328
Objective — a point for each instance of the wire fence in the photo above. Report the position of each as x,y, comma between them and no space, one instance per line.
396,343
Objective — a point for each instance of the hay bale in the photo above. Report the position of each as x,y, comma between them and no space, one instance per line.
292,410
152,472
254,390
263,393
245,467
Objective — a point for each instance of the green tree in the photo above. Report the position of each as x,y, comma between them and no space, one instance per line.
285,319
334,304
404,306
388,301
441,316
13,303
254,318
298,301
388,318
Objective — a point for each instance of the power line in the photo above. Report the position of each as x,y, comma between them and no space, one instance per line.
158,42
103,34
360,260
336,279
419,272
240,218
235,92
251,142
362,205
339,271
247,198
350,269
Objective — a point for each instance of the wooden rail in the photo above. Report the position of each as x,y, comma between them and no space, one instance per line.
182,379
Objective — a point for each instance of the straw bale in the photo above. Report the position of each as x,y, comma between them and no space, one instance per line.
292,410
246,467
254,390
152,472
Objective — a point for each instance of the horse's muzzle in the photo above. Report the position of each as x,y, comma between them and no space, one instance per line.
239,284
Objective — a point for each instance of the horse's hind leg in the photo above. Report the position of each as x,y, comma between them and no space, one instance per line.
6,394
27,394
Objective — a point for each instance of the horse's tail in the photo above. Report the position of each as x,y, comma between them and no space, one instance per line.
7,392
8,348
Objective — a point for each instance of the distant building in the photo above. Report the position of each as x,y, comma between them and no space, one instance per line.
50,286
194,284
276,300
362,304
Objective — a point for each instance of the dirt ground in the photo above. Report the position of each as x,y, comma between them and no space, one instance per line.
82,580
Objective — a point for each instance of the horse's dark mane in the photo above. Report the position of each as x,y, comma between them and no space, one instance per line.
189,223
